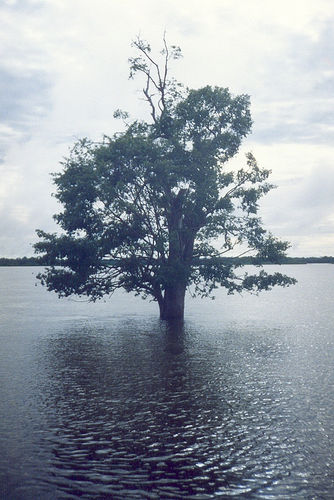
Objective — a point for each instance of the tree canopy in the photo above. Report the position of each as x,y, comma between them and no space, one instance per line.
155,209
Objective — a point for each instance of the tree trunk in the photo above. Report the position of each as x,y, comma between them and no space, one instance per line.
180,252
172,305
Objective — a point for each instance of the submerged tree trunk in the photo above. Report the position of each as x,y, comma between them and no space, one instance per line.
180,252
172,304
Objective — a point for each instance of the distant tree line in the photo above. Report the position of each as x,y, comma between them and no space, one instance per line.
283,260
22,261
38,261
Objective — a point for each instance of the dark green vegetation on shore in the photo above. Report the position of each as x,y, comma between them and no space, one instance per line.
21,261
283,260
37,261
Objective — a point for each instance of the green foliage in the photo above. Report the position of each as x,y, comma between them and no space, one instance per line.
155,207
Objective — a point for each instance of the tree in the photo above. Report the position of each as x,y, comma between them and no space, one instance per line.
154,208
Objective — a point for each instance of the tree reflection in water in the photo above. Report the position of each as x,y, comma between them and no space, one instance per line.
237,401
160,410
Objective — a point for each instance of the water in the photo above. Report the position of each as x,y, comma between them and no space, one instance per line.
104,401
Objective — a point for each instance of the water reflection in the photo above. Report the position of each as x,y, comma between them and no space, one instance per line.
128,415
131,407
174,336
153,411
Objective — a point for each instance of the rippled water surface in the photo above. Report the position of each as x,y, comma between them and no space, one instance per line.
104,401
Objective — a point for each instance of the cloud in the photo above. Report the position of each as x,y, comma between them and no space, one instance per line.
301,209
295,100
23,101
63,71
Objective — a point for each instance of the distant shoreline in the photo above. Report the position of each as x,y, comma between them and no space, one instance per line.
35,261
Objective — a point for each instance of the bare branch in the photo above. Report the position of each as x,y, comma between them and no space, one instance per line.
150,100
157,75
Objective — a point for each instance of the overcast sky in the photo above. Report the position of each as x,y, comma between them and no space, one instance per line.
64,70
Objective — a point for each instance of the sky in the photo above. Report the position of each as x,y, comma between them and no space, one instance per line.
64,71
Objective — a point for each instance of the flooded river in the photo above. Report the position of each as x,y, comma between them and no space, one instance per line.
104,401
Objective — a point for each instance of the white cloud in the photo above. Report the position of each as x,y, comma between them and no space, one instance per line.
64,67
301,209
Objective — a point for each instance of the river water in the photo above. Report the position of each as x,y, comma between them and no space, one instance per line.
104,401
